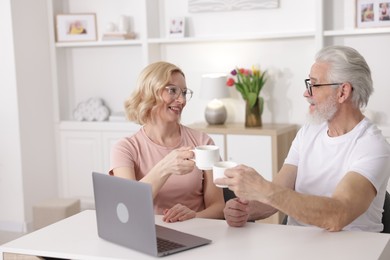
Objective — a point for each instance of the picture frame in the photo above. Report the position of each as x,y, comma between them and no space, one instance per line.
372,13
176,27
76,27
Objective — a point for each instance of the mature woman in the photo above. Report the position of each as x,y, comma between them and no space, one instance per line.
159,152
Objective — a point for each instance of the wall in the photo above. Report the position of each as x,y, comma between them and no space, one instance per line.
35,101
283,93
27,153
11,192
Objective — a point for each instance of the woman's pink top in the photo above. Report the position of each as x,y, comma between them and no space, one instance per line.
141,154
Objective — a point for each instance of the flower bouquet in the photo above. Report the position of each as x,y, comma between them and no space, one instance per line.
249,83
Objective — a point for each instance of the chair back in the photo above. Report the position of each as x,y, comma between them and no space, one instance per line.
228,194
386,214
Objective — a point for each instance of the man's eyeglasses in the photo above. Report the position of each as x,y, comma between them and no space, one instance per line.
175,91
309,86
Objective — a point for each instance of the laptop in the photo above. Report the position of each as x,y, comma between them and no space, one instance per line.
125,216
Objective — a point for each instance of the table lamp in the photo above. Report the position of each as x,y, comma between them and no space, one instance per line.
214,87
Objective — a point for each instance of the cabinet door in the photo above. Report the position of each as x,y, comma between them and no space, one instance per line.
81,154
252,150
220,142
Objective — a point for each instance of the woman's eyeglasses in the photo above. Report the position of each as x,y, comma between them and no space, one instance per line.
309,86
175,91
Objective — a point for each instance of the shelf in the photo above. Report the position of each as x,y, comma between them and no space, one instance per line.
98,126
99,43
359,31
254,37
239,128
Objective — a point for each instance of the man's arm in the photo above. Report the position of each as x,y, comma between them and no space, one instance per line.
351,198
285,178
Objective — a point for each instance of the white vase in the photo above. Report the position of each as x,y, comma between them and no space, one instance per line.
123,24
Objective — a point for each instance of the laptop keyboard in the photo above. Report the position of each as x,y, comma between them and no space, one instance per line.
164,245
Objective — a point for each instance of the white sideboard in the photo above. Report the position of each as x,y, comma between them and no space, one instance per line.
85,147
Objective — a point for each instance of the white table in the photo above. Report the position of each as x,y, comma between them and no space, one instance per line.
76,238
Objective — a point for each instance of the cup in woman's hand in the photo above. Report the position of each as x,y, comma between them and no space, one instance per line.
219,170
206,156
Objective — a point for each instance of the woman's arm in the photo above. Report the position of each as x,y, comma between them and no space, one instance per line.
213,199
176,162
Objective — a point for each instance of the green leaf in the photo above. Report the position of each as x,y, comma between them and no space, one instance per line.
252,97
240,87
261,101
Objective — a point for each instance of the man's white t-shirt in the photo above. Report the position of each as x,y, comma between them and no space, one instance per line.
323,161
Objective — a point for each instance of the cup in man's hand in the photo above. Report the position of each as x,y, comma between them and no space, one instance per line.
219,170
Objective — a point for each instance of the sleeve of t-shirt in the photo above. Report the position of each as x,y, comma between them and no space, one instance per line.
122,155
371,160
293,154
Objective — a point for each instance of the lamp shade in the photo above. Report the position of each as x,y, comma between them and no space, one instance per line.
214,86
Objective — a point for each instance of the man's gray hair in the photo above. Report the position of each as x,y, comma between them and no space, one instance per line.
348,65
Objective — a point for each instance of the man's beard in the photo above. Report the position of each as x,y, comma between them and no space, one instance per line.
324,112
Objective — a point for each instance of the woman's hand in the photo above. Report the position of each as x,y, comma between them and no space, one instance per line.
177,162
178,212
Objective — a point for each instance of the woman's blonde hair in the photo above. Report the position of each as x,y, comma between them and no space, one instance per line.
142,103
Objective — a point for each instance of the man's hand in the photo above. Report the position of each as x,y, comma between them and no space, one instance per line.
236,212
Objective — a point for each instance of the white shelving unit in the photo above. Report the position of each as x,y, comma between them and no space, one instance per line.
151,44
352,32
233,38
109,69
148,20
98,43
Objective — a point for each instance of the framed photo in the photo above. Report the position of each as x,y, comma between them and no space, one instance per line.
76,27
372,13
176,27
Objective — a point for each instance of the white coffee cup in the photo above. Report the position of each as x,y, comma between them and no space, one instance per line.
206,156
219,170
